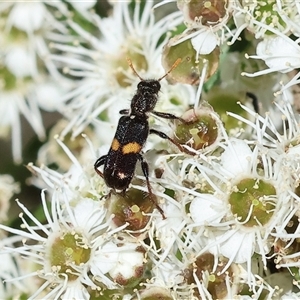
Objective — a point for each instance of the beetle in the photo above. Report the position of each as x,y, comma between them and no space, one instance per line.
131,135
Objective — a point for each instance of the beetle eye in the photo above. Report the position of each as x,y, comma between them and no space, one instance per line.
156,85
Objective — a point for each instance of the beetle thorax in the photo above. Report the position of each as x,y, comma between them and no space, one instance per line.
145,98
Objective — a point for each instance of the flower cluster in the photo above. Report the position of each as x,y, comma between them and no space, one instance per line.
212,209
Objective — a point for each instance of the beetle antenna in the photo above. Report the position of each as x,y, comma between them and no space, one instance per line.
133,69
176,63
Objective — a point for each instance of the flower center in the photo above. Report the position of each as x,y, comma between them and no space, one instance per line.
215,281
69,250
201,130
192,64
252,200
205,11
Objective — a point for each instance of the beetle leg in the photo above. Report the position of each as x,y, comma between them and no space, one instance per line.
99,162
145,170
164,136
124,112
169,116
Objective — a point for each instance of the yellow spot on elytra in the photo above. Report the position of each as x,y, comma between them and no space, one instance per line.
131,148
115,145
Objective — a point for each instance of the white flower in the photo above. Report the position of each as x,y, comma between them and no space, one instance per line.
35,22
25,31
64,250
283,150
230,232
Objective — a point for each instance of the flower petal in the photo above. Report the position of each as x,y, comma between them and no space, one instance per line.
237,157
279,54
206,209
205,42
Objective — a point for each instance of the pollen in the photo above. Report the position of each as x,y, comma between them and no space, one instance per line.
131,148
115,145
